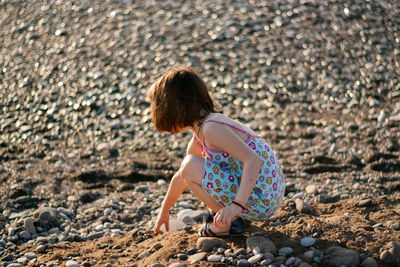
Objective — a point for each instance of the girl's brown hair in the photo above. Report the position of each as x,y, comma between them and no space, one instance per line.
178,99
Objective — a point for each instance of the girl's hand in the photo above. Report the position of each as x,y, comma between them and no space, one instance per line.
225,216
163,218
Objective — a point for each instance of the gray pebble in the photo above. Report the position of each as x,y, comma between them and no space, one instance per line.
307,241
25,235
285,251
30,255
242,263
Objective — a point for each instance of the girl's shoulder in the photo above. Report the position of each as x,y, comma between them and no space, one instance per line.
220,118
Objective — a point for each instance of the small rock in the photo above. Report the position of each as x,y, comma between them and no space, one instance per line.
72,263
304,264
255,258
369,262
197,257
29,226
144,255
107,211
302,206
41,249
214,258
242,263
308,255
307,241
298,195
394,249
268,255
290,261
386,257
395,226
265,262
161,182
337,256
182,256
208,243
311,189
177,264
25,235
285,251
30,255
265,244
364,203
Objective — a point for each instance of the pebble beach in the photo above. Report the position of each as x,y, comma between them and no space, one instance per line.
83,172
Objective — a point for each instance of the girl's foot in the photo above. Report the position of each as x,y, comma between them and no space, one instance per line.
237,228
219,230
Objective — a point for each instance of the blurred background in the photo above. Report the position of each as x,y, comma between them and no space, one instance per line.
313,77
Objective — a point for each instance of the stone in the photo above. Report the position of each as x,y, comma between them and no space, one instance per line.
264,243
25,235
369,262
337,256
72,263
387,257
265,262
285,251
208,243
144,254
29,226
177,264
307,241
197,257
290,261
268,255
304,264
46,214
395,226
302,206
214,258
14,265
41,249
242,263
311,189
30,255
364,203
394,249
309,255
298,195
255,258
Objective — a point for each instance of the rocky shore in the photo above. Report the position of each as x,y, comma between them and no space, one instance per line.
83,173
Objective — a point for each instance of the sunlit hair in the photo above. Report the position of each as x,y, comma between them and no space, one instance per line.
178,99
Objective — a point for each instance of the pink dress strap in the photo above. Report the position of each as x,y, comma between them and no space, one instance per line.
205,148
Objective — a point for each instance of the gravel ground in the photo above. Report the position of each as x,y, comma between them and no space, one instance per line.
79,159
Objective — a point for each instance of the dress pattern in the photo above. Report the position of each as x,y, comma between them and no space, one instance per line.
222,177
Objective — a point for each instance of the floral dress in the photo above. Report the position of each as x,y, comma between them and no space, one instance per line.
222,176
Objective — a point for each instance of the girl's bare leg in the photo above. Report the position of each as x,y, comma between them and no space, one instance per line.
192,170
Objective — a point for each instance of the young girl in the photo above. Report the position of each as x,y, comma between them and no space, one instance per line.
228,166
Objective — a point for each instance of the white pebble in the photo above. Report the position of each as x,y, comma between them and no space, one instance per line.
72,264
214,258
107,211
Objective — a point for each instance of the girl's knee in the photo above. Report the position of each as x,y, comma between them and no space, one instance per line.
191,167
